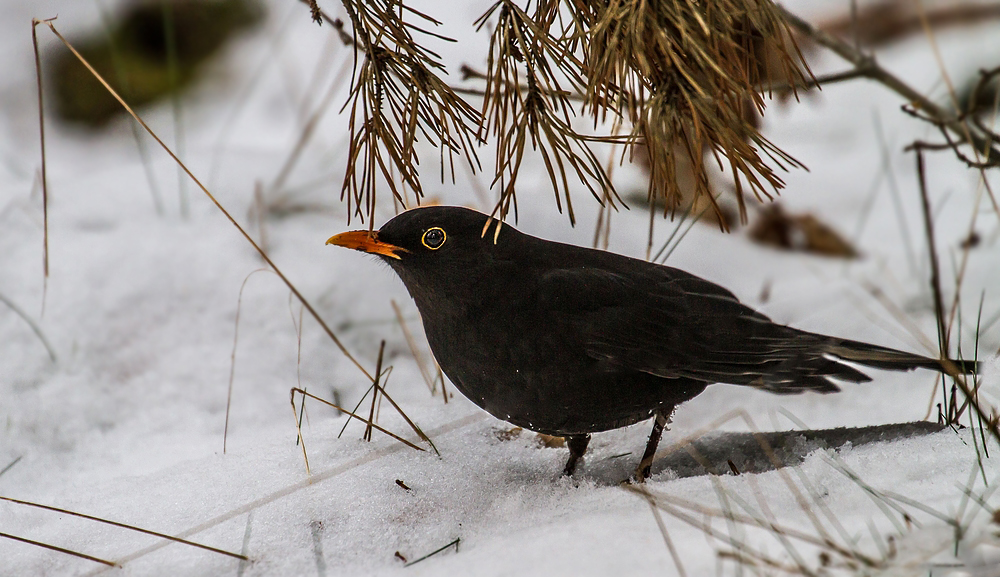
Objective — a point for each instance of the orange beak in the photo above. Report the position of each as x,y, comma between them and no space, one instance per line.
367,242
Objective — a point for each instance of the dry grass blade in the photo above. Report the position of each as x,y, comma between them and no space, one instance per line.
31,323
700,517
800,499
217,204
59,549
45,181
436,551
689,512
412,343
397,98
663,529
439,378
932,253
245,550
308,130
406,418
376,389
990,421
123,526
844,553
886,500
298,428
10,465
848,555
378,377
838,542
350,414
765,521
232,356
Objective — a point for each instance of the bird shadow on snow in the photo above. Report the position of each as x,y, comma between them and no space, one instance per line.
735,453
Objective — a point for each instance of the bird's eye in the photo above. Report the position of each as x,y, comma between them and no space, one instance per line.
434,238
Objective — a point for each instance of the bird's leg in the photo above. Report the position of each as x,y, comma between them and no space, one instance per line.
646,464
577,447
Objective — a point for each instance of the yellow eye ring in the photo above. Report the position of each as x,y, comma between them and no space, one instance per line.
434,238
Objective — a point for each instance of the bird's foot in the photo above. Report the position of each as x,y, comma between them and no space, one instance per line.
577,447
645,467
642,472
570,466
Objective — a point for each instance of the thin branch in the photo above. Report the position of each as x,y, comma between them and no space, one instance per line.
949,144
875,72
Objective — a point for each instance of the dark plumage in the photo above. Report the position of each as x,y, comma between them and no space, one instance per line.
570,341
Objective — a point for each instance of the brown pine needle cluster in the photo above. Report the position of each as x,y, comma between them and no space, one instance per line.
524,100
396,98
685,75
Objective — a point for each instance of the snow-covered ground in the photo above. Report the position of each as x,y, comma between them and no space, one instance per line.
126,422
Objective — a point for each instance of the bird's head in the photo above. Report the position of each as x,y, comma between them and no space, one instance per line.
430,245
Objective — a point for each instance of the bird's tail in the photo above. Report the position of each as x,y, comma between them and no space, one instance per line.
892,360
799,361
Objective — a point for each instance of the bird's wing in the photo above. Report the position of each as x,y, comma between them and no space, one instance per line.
669,323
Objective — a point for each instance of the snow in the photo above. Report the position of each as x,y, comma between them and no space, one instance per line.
140,308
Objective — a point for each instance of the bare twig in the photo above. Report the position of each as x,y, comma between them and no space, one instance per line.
949,143
993,421
406,418
875,72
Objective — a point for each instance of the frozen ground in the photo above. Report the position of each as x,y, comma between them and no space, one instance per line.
140,309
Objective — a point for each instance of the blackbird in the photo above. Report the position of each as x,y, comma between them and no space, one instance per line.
569,341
